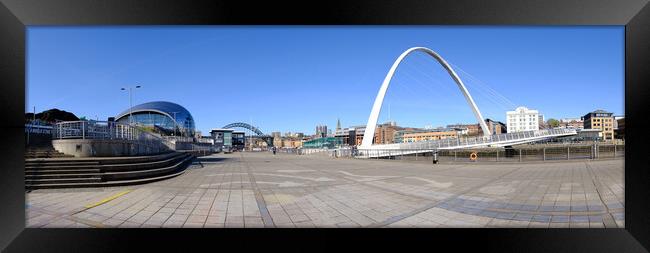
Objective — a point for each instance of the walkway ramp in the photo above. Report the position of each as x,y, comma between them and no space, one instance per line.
498,140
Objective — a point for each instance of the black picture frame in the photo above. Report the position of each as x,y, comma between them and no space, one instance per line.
15,15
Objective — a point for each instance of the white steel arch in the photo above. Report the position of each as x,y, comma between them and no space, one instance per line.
369,134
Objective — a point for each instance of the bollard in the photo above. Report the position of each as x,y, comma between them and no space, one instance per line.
435,157
519,155
567,153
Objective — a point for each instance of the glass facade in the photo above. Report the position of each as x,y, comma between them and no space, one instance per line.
227,139
325,142
238,140
159,117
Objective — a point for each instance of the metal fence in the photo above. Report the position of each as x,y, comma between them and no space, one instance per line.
175,139
202,147
312,151
105,130
38,129
482,140
519,154
288,151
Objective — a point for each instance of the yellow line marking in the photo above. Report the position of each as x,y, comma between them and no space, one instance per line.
107,199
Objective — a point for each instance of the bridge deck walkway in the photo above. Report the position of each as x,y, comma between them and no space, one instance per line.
498,140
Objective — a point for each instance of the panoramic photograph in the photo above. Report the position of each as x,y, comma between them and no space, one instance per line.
325,127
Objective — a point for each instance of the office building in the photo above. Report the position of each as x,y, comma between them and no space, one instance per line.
222,139
620,128
522,119
573,123
495,127
384,133
321,131
238,140
277,139
427,135
602,120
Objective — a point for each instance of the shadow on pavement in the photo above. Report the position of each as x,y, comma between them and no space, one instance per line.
211,159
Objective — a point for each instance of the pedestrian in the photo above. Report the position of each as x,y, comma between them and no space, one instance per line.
273,148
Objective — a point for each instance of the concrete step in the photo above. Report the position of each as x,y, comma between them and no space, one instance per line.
52,155
63,176
72,171
43,152
48,181
45,165
103,184
96,160
46,155
130,173
109,167
109,175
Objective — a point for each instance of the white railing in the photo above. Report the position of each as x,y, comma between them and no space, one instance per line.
204,147
205,140
38,129
491,139
174,139
106,131
466,141
573,151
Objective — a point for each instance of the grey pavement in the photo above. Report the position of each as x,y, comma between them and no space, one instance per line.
262,190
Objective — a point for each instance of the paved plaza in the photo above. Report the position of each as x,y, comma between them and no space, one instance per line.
262,190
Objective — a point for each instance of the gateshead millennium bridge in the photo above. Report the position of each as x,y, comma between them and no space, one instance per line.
367,149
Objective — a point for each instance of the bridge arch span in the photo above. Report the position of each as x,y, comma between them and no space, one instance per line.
258,133
245,125
379,100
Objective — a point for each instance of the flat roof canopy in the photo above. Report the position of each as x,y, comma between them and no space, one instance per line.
222,130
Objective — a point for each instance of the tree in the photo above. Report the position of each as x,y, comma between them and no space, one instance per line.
553,122
52,115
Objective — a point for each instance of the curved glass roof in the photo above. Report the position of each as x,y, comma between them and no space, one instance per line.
183,116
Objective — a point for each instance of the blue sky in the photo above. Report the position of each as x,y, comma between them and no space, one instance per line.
293,78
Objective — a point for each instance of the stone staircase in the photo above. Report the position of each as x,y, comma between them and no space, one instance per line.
43,152
103,171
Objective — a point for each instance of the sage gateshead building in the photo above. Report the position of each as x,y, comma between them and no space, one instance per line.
165,118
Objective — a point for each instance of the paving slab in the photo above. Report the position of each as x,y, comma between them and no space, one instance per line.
258,189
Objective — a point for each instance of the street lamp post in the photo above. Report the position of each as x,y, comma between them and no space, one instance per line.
131,102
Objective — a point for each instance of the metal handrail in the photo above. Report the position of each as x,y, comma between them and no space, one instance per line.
614,151
104,130
479,140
